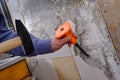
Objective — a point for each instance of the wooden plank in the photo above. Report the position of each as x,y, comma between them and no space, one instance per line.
66,68
18,71
27,78
111,12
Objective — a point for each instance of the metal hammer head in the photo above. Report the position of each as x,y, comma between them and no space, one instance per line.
25,37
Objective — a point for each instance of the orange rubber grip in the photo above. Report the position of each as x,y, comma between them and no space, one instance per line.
65,30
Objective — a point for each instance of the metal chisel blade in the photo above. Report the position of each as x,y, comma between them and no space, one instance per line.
83,51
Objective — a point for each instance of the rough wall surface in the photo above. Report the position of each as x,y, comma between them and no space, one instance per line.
111,14
41,17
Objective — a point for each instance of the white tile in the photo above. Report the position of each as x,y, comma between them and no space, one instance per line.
45,70
87,72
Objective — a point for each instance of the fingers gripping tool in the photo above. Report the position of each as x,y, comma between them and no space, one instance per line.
65,30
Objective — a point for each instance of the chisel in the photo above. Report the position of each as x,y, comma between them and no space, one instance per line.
65,30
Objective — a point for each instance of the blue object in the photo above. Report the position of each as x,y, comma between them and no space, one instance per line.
41,46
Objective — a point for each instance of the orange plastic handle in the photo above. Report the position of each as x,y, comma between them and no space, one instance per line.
65,30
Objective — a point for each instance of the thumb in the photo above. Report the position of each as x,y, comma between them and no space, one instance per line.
65,40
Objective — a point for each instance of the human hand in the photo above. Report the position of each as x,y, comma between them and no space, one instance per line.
56,44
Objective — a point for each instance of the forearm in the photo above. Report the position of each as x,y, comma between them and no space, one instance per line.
41,46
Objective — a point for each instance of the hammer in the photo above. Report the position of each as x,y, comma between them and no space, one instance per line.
22,39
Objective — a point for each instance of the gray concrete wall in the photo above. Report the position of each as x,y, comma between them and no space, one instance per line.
41,17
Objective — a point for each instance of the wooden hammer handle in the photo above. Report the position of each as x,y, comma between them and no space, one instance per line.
10,44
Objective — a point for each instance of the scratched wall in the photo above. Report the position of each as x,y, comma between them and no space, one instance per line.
41,17
111,13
